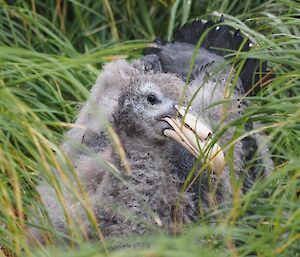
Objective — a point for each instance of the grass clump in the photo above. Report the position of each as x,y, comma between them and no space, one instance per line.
50,55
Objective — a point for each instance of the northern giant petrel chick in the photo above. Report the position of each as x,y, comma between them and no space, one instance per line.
162,133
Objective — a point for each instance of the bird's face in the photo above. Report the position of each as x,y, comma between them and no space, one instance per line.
143,105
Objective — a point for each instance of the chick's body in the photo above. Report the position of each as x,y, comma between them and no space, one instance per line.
133,98
144,200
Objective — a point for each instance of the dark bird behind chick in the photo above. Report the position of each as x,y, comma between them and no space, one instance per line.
141,100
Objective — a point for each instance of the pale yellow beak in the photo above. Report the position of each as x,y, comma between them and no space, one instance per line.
196,137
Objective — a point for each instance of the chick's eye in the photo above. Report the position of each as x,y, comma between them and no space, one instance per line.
152,99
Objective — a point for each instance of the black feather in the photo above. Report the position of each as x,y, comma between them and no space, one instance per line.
222,40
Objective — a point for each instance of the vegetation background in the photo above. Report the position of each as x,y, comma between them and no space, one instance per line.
50,55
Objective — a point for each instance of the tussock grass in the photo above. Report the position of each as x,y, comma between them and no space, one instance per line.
50,55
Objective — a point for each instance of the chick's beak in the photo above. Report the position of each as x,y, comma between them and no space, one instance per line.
196,137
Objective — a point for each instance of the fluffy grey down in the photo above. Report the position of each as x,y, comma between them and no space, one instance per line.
146,200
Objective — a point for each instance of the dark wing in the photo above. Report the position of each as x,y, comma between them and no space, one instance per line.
218,42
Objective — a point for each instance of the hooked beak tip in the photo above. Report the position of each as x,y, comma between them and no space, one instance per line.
196,137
